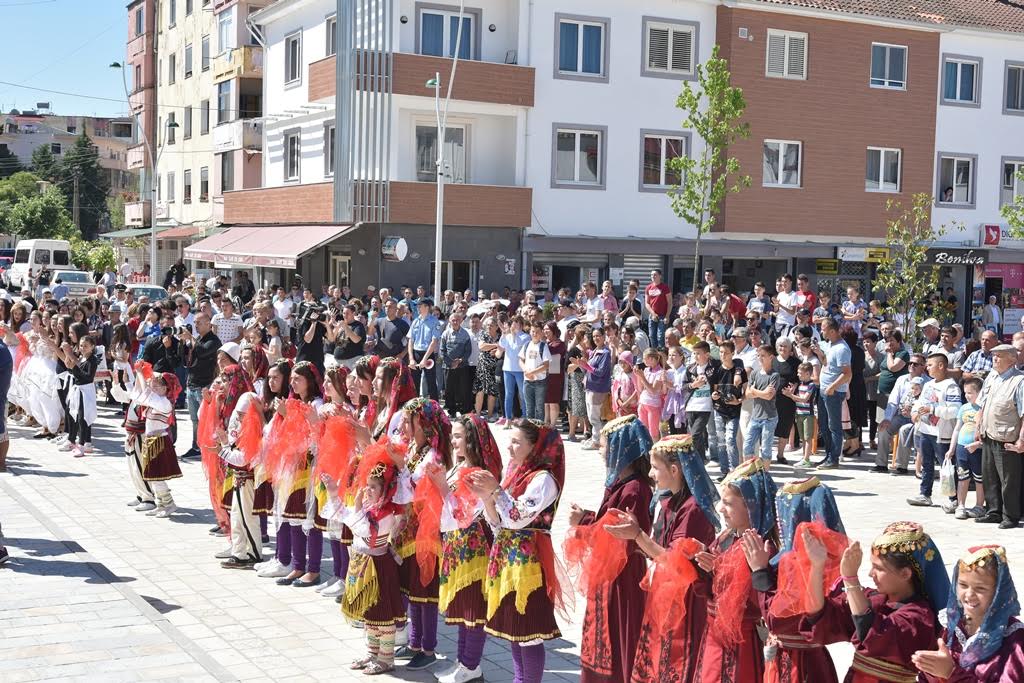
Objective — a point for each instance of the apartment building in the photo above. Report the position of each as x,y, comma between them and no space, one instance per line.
139,73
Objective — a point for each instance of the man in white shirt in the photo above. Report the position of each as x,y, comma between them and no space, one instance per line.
934,412
227,325
785,305
534,359
125,271
283,307
992,316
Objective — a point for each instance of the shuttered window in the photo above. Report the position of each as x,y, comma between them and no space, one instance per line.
670,48
787,55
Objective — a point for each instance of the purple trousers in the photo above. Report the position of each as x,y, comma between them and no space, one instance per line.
423,626
284,544
471,645
340,556
527,663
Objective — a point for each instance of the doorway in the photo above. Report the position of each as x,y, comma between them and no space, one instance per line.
457,276
340,268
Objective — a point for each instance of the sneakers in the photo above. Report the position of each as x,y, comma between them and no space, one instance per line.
828,466
165,512
326,584
223,554
950,507
590,445
899,472
501,422
235,563
961,512
61,438
145,506
334,589
66,446
405,652
920,501
421,661
274,570
805,463
976,512
462,675
133,503
87,448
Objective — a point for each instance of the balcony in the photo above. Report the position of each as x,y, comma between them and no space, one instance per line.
140,44
475,81
469,205
312,203
241,62
137,157
238,134
136,214
141,99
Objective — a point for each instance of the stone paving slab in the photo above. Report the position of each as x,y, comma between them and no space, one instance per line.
98,592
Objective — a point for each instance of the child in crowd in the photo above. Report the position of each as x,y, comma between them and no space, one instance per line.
805,397
625,393
965,452
652,392
673,410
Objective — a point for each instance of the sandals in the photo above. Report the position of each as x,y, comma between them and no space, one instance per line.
376,668
361,663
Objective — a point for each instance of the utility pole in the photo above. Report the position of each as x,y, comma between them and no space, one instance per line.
74,206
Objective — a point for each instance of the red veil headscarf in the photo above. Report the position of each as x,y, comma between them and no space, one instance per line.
463,499
402,390
260,364
173,390
368,365
377,461
213,413
427,500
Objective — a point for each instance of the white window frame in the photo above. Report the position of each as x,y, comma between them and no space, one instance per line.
664,137
782,155
293,38
602,162
788,35
605,24
1018,164
170,187
329,161
1007,65
956,157
226,31
204,54
172,11
204,179
172,67
188,60
887,84
331,30
693,28
288,136
961,60
447,13
881,169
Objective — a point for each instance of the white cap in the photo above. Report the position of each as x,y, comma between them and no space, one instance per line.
232,349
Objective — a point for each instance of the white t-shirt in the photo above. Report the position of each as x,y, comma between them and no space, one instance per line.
513,344
789,300
535,355
227,329
700,399
126,269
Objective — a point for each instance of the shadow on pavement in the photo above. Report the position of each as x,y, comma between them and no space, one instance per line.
43,547
192,516
159,605
91,572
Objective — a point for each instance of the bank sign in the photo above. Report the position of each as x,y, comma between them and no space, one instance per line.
957,257
996,235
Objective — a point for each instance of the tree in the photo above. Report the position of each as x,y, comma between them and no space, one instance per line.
43,163
707,178
43,215
13,190
81,162
115,209
1014,212
905,273
9,163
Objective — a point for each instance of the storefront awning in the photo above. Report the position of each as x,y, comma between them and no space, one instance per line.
130,232
278,246
180,232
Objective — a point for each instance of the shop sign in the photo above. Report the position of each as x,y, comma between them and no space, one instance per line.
616,275
957,257
863,254
826,266
997,235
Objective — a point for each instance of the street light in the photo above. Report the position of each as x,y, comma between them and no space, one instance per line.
153,159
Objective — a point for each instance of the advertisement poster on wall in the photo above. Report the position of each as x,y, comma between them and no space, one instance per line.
1012,300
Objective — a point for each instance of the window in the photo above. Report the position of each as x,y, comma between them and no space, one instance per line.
138,22
204,184
172,12
669,48
223,101
956,181
961,80
159,188
293,58
581,44
205,54
170,187
787,54
784,156
227,172
188,60
329,149
439,31
72,129
455,138
1013,101
888,66
332,35
1012,186
172,66
187,133
186,194
882,170
172,129
658,149
292,155
188,7
138,77
226,31
204,117
160,71
55,148
579,157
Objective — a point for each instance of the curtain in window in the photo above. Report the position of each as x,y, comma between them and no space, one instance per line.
565,156
568,44
465,47
592,52
874,163
891,172
652,161
426,153
1015,88
791,165
897,55
455,154
590,162
949,86
967,82
432,35
771,163
878,64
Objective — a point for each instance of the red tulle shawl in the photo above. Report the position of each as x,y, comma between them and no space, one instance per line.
673,574
336,448
555,579
593,556
144,369
22,353
427,502
731,587
290,439
212,464
792,596
250,436
463,499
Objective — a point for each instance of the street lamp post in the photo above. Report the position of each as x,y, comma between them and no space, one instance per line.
153,159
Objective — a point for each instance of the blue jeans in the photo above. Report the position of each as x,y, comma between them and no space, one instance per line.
533,407
726,428
834,415
931,452
513,383
656,332
194,396
763,429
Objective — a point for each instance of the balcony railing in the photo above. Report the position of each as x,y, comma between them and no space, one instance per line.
238,134
240,62
136,214
137,157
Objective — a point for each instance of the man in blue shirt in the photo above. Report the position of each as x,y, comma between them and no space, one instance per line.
424,336
835,383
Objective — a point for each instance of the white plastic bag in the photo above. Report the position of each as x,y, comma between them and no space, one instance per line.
947,478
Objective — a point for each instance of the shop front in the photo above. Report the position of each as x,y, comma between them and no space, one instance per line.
957,272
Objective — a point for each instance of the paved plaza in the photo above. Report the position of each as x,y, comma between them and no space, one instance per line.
95,591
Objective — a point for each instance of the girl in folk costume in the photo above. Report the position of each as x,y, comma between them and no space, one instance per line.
465,544
275,391
81,364
39,380
523,587
685,521
732,648
135,430
612,569
429,434
393,388
122,382
366,373
889,625
781,581
148,445
67,358
254,361
372,595
983,640
297,502
239,443
263,499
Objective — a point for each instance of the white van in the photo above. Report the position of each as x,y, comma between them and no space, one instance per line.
31,255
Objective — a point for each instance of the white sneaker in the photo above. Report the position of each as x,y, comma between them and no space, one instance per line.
165,512
152,513
462,675
326,584
961,512
87,448
453,666
61,439
66,446
335,589
145,506
274,570
223,554
402,635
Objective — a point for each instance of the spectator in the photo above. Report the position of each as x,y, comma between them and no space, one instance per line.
955,355
786,364
575,377
227,325
598,367
200,355
992,316
631,306
1002,439
656,301
162,351
556,374
804,397
651,382
893,417
512,342
762,388
805,298
126,271
965,452
835,383
351,338
391,332
727,396
930,329
701,377
785,306
456,349
486,383
935,413
534,359
625,389
854,309
979,363
424,337
873,358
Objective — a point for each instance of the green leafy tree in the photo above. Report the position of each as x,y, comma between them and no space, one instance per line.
713,111
9,163
13,190
101,255
43,215
115,209
905,273
44,164
82,162
1014,212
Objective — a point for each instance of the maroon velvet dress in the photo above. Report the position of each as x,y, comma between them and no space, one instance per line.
744,661
611,626
1007,664
883,640
672,658
796,659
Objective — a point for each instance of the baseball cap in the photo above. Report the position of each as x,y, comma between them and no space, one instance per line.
929,322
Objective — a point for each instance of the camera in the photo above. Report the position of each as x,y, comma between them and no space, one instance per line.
311,312
181,329
166,331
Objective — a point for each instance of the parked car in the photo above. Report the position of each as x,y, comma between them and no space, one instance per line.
153,292
79,283
5,269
